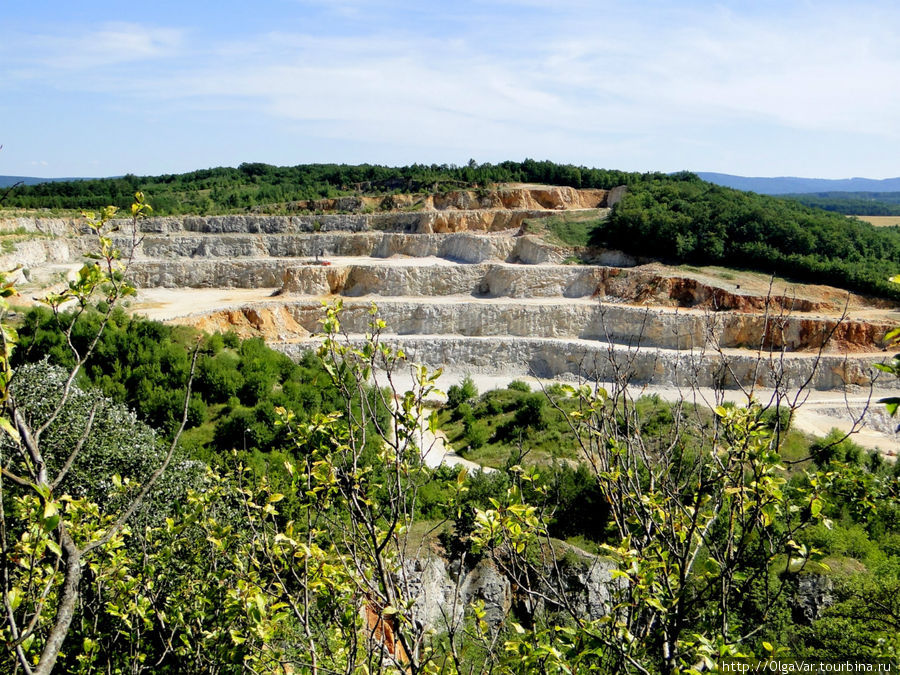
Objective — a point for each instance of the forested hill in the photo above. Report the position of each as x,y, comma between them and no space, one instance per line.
270,188
685,219
853,203
8,181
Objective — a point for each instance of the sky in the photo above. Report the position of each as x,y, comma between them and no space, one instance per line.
755,88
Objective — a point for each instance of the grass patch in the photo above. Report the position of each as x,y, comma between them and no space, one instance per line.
571,228
9,238
581,542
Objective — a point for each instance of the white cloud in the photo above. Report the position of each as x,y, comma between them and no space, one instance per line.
577,80
112,44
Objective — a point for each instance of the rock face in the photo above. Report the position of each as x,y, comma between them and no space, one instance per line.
585,320
730,320
548,358
485,583
456,291
462,247
815,593
489,279
507,197
57,227
443,594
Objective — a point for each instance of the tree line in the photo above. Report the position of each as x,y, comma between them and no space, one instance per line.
255,184
852,203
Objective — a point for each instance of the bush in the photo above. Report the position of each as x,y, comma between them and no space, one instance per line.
532,412
519,385
833,449
477,433
231,340
779,418
464,391
465,413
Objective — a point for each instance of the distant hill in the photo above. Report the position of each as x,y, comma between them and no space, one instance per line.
792,185
6,181
852,203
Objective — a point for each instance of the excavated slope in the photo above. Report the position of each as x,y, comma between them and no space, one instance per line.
296,319
459,285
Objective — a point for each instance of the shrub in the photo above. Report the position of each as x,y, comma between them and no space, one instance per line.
477,433
465,413
459,393
519,385
532,412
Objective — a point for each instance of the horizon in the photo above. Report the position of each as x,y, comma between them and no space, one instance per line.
699,173
770,90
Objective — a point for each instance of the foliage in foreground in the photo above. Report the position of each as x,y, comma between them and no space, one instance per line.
681,526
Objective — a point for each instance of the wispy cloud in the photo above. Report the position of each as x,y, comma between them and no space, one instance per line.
111,44
580,79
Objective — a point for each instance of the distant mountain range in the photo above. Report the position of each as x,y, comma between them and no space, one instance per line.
792,185
6,181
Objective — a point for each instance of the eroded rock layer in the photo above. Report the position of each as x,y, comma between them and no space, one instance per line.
550,358
292,320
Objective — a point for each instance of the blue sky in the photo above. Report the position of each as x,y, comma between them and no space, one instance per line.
753,88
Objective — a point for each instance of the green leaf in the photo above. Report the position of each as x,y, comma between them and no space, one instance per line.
890,404
7,426
815,507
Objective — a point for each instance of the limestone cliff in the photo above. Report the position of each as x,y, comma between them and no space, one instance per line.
291,320
555,358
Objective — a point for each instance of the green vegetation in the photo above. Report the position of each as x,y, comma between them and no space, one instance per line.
146,365
9,238
210,537
129,549
852,203
270,188
684,219
566,229
678,217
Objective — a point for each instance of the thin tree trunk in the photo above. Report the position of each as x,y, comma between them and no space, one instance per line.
66,611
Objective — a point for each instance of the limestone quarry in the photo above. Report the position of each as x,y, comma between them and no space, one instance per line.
463,283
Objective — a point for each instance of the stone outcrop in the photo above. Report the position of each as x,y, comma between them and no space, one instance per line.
444,593
814,594
462,247
57,227
643,286
505,198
